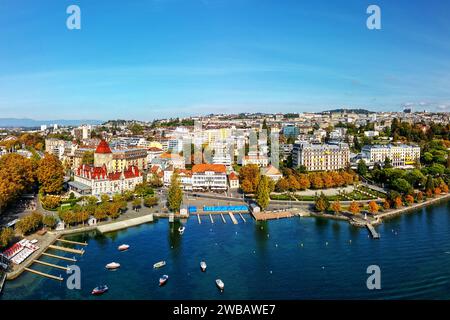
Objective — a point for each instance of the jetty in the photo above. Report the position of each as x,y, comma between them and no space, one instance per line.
72,242
51,265
52,246
223,218
233,219
372,231
210,217
59,257
198,218
44,274
242,217
271,215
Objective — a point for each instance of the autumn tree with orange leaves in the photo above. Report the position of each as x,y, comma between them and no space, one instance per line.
50,174
354,208
373,207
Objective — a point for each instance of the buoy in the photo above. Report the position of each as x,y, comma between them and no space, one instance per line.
301,244
326,243
270,271
276,245
323,267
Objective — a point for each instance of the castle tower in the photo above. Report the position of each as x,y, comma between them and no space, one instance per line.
103,156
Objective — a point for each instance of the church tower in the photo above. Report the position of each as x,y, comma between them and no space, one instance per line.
103,156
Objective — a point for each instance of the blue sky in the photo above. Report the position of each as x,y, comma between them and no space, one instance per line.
166,58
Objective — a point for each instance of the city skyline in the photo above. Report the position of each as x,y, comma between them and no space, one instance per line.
165,59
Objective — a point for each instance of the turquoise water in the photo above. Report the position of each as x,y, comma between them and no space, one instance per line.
261,261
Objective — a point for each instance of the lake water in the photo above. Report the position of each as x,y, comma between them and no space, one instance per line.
260,260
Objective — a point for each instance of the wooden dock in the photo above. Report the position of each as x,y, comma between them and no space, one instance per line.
51,265
372,230
223,218
199,220
242,217
44,274
58,257
269,215
210,217
72,242
233,219
66,249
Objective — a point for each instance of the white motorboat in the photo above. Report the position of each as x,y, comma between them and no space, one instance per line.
113,266
220,284
159,264
203,266
181,229
163,280
123,247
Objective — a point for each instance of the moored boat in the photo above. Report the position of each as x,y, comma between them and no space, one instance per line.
203,266
159,264
113,265
99,290
220,284
123,247
163,280
181,229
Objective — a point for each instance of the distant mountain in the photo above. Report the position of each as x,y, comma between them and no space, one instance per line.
30,123
358,111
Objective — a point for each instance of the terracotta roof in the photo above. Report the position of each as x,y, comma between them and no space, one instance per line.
103,147
91,172
233,176
154,149
218,168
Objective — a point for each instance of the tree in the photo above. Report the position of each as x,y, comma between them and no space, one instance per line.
409,199
386,204
419,196
429,185
101,211
114,210
316,182
150,201
373,207
336,207
249,176
6,235
263,193
402,186
398,203
50,174
175,194
387,163
437,191
137,202
443,187
88,157
49,221
321,202
362,168
303,182
104,198
50,202
354,208
29,223
282,185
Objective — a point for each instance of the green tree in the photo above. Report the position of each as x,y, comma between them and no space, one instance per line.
175,194
362,168
263,193
49,221
6,235
150,201
387,163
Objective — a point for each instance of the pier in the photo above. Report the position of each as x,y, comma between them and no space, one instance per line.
81,252
51,265
198,218
242,217
44,274
223,218
59,257
233,219
372,230
72,242
210,217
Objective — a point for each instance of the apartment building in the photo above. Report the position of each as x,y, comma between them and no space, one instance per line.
401,155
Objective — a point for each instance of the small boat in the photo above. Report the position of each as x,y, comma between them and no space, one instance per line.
220,284
113,265
123,247
181,229
159,264
99,290
163,280
203,266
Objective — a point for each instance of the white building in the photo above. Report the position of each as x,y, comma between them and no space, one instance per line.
401,155
321,157
209,177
